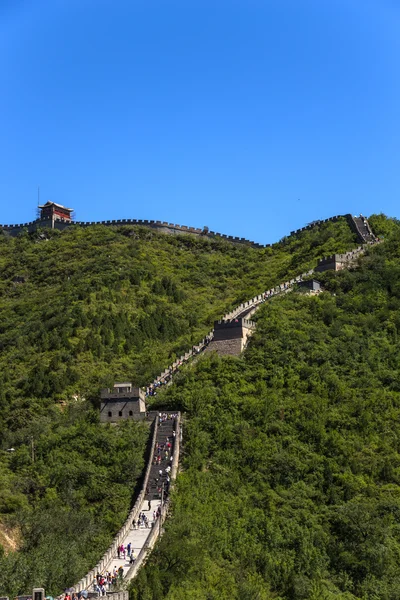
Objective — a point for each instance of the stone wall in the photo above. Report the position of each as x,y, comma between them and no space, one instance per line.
320,222
124,595
157,530
337,262
229,330
173,229
121,410
230,336
161,226
117,405
227,347
164,227
103,563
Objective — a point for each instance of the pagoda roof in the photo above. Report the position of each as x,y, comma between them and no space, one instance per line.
55,204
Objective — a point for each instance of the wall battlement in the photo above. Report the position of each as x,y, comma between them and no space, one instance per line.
171,228
235,323
162,226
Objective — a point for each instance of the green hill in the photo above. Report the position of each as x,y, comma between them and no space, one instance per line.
80,309
290,483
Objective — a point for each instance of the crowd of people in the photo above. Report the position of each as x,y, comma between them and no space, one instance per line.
71,595
106,582
163,417
109,581
163,457
143,520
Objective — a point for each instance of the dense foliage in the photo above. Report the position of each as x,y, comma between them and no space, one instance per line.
290,482
79,310
68,493
100,303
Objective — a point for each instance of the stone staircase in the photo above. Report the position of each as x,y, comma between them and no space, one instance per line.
164,433
363,229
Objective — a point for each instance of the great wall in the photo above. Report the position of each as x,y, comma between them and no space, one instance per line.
59,223
228,337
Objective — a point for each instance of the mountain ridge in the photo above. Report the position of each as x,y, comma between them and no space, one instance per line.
57,271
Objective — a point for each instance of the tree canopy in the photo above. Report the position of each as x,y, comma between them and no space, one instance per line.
85,307
290,480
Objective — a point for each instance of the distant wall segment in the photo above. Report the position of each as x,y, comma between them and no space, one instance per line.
163,227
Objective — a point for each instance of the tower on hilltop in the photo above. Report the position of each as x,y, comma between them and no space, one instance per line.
54,211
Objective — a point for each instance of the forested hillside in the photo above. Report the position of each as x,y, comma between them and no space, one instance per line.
290,481
79,310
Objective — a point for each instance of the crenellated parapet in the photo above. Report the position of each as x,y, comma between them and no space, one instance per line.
161,226
173,229
334,219
337,262
244,311
359,225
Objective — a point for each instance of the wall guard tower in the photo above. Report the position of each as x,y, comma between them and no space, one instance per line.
123,401
54,211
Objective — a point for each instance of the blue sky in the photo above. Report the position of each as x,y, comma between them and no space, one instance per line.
251,117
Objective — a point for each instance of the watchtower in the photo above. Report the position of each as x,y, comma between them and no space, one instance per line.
311,286
335,262
230,336
54,211
122,401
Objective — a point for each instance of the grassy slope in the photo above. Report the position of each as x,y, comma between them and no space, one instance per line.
290,483
99,304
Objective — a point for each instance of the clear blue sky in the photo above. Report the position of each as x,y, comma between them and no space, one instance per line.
253,117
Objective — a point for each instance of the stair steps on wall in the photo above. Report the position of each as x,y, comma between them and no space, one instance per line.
164,431
364,229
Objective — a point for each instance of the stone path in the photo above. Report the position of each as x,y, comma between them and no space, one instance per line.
164,433
137,538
